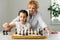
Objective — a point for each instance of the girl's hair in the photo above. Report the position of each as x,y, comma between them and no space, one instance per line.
33,2
23,11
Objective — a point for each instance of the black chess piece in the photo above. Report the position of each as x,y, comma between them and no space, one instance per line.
30,31
20,33
37,33
15,30
5,32
33,32
40,32
23,32
27,32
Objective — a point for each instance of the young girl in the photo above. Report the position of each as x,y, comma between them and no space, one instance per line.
22,24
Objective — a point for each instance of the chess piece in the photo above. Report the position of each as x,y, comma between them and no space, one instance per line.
40,32
33,32
37,33
16,32
5,32
23,32
20,33
30,31
26,32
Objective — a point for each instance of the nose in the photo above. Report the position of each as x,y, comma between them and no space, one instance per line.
22,18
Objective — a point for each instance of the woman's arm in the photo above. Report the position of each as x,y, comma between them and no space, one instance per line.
50,31
43,24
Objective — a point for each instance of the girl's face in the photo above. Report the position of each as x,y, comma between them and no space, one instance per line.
22,17
32,9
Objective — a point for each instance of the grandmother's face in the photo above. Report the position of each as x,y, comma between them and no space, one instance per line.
32,9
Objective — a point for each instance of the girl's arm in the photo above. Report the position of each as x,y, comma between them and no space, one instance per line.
15,20
12,25
8,27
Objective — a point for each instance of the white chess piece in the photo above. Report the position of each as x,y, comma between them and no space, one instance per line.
28,32
35,32
31,31
22,32
25,31
18,31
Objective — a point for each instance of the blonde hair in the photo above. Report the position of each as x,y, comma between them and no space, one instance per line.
33,2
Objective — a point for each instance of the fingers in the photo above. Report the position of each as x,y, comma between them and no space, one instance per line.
53,32
5,25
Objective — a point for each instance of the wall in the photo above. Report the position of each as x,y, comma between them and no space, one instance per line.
10,9
3,12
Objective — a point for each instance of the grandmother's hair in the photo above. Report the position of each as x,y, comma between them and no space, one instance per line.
33,2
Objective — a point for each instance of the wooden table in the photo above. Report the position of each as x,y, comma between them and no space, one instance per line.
49,37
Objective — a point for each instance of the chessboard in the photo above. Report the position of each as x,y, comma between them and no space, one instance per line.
15,36
28,34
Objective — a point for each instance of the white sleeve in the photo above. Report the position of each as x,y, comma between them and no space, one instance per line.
15,20
41,22
28,25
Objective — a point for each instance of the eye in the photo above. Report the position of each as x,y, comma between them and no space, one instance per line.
24,17
20,16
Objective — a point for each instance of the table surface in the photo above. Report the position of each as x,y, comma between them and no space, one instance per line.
49,37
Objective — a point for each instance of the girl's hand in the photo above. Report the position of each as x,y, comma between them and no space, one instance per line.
6,26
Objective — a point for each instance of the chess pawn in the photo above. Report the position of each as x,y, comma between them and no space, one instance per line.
4,32
31,31
35,32
18,31
40,32
22,32
15,31
26,32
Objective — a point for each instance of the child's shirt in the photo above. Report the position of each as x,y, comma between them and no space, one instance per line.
21,27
